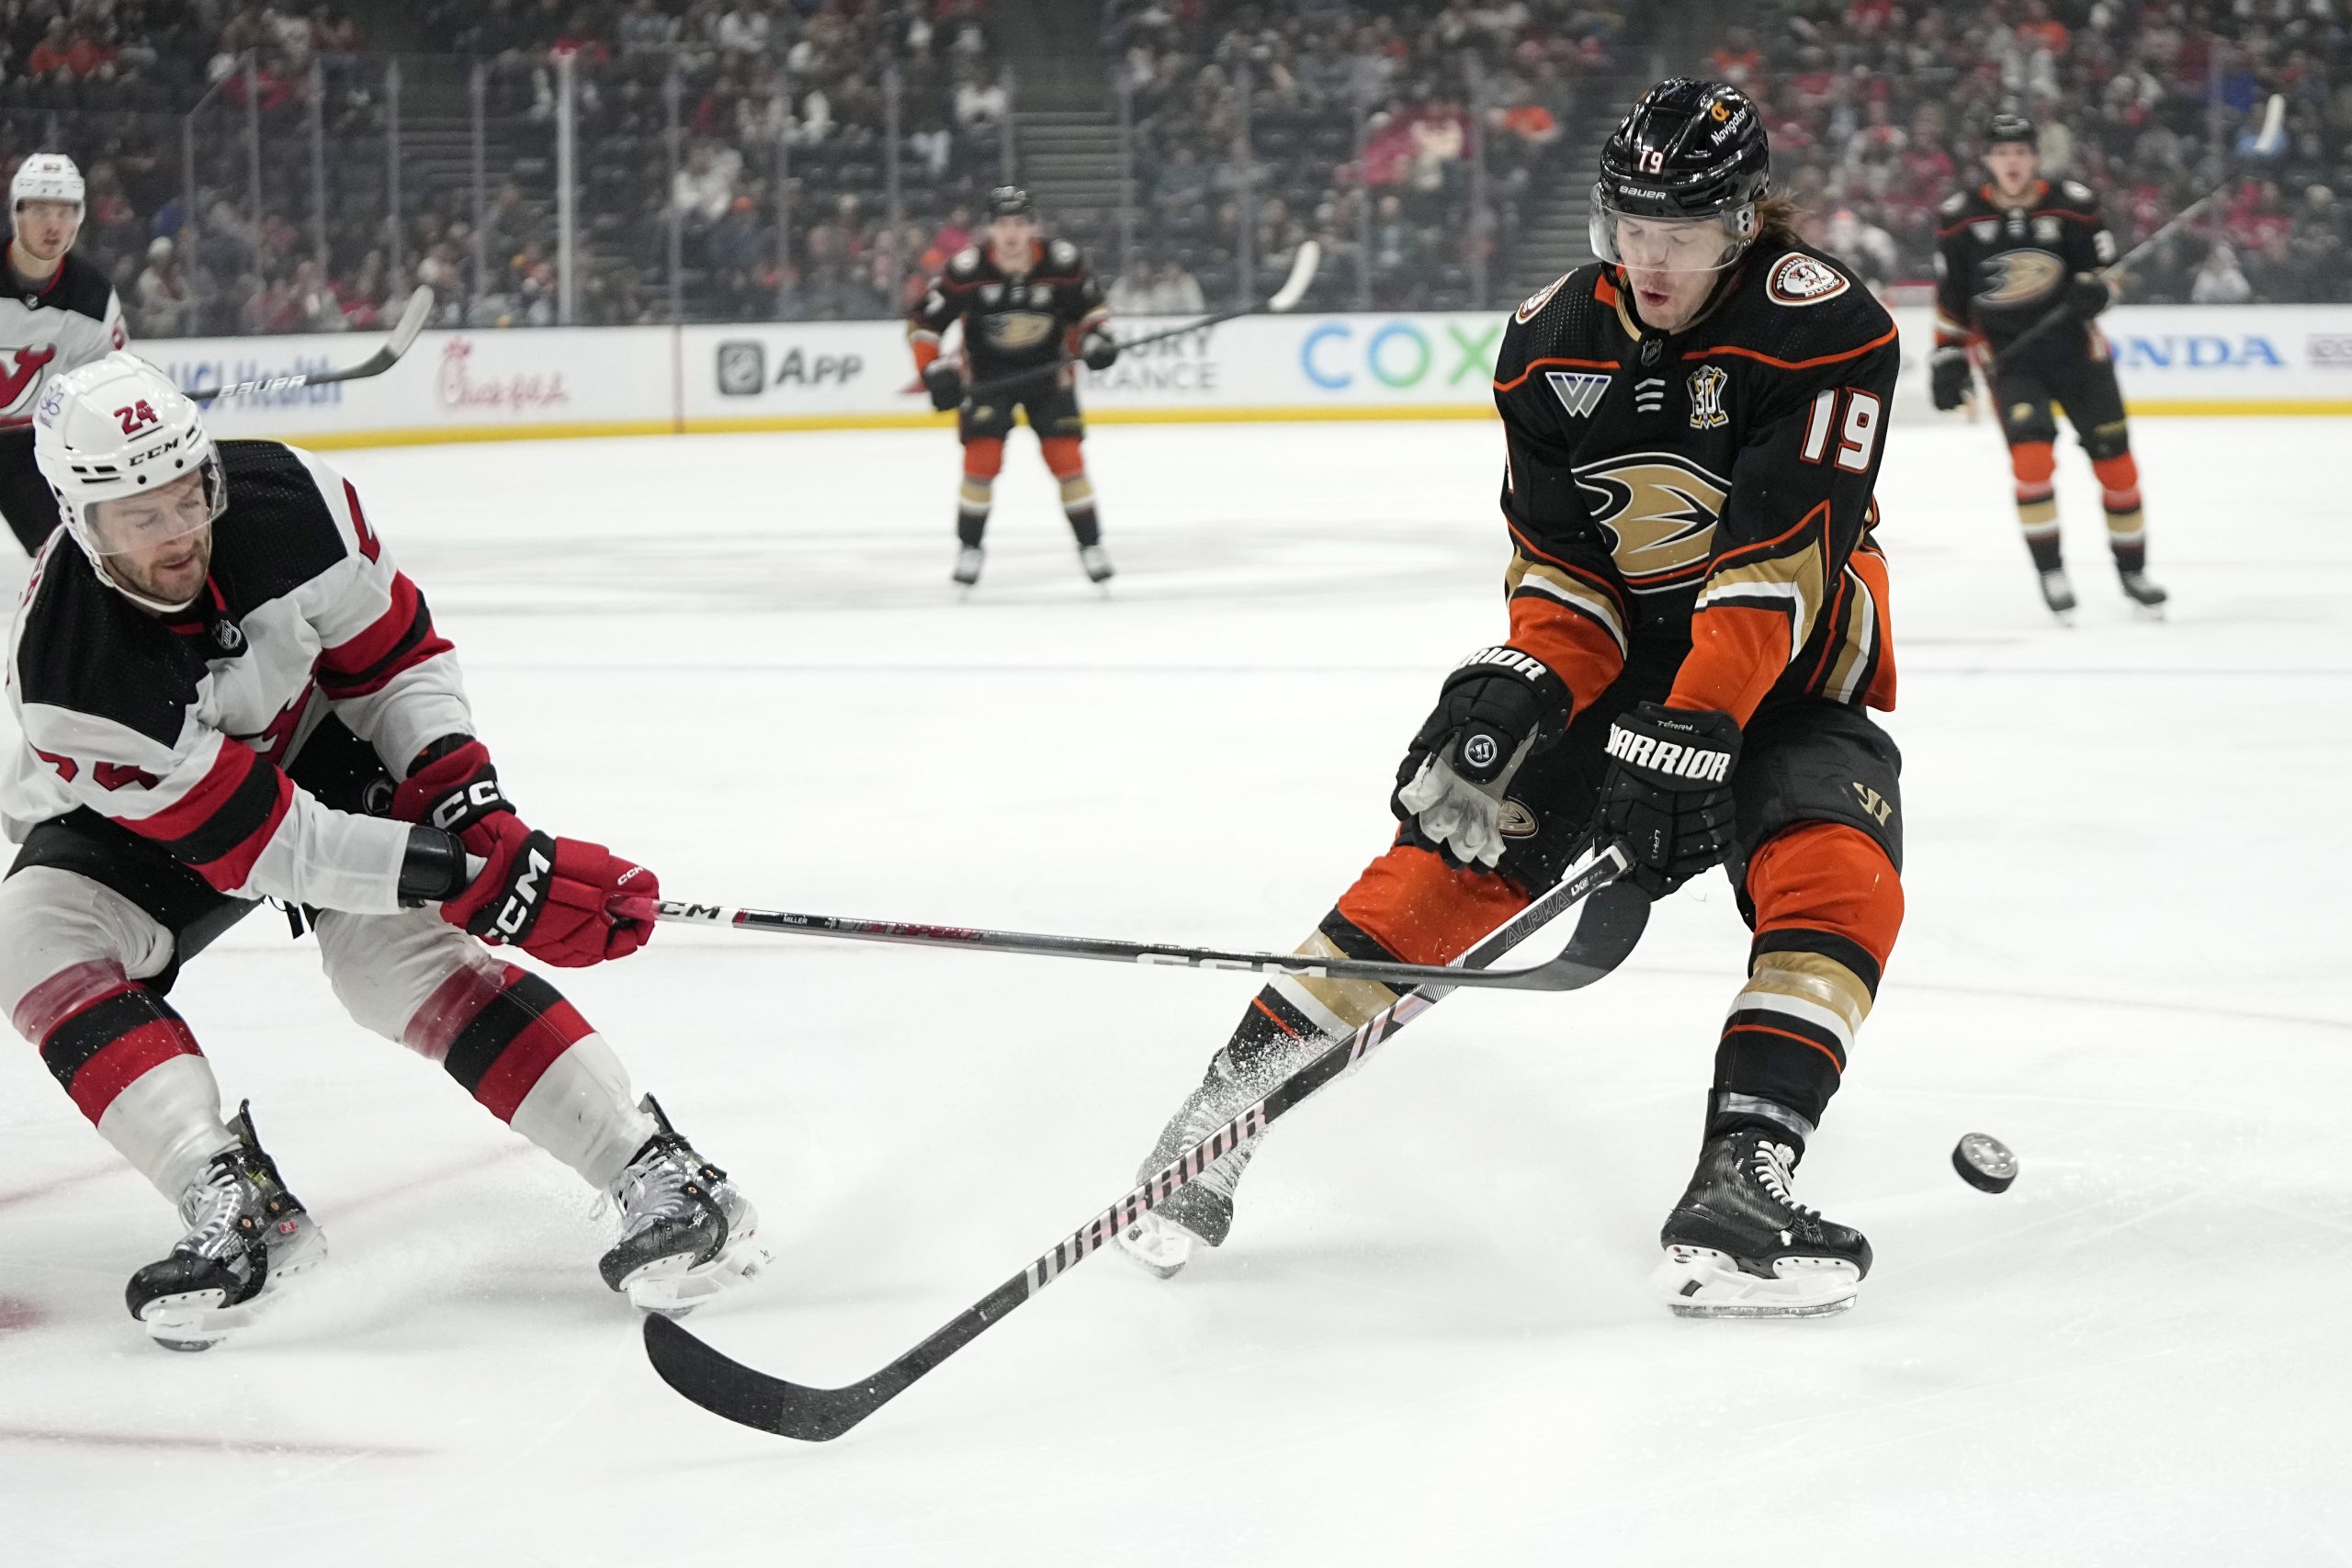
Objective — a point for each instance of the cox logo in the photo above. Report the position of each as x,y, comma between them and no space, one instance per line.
1399,354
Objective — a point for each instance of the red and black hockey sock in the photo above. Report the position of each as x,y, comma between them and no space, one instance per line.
496,1033
1829,906
2127,530
100,1033
2035,464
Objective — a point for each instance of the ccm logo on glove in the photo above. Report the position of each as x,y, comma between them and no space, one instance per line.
522,899
480,797
1671,759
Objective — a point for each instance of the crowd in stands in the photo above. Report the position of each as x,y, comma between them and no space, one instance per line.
1405,138
1413,140
1877,109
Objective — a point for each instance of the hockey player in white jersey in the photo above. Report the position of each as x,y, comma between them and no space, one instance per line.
59,313
228,693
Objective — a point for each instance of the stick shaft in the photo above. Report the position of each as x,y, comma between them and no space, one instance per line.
1108,950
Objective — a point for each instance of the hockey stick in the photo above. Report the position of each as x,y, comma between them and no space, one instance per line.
412,321
1559,975
2270,140
1611,925
1294,289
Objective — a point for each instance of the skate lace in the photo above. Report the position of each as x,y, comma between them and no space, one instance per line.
211,1209
655,1189
1773,1164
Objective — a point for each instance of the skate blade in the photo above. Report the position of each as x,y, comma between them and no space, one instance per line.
1160,1247
2147,611
674,1286
195,1320
1698,1281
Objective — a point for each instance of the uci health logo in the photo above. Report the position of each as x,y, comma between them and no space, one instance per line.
1399,354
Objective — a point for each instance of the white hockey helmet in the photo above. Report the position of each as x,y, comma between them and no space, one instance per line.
117,429
46,176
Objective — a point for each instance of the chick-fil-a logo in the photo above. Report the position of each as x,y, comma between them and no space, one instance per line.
519,393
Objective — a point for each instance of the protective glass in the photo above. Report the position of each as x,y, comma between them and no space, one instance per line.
124,524
1670,244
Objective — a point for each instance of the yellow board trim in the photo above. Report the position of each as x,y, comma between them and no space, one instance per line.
1272,413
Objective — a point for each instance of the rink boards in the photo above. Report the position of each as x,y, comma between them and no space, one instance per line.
552,382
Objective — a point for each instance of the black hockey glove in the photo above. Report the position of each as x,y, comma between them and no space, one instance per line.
945,381
1948,376
1667,793
1100,350
1496,706
2086,295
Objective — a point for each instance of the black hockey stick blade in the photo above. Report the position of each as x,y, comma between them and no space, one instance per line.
412,321
1613,918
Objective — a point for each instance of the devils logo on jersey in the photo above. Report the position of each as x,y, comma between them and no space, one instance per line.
1659,510
20,371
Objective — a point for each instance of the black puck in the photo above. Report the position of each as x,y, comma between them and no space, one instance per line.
1984,1162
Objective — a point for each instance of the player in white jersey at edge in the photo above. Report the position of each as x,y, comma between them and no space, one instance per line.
58,314
228,693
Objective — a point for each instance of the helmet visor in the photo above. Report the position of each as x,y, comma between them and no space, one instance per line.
1670,244
126,524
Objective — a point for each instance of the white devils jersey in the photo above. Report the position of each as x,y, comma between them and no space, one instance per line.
47,331
182,728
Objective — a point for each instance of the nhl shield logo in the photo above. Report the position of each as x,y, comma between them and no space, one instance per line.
1707,384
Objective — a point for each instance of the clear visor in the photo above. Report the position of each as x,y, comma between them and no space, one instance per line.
1672,245
124,524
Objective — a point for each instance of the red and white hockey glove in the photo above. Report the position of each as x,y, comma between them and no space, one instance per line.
548,896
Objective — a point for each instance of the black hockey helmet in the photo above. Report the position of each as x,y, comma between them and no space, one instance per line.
1009,201
2007,125
1690,151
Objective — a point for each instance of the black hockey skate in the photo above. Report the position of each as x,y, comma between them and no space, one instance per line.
2146,596
968,561
1096,561
2057,592
1739,1246
246,1233
1200,1212
686,1233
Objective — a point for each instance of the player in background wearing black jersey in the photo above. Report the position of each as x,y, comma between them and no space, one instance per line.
1698,621
2008,254
59,313
1025,301
227,692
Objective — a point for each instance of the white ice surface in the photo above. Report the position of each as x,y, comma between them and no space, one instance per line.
1428,1340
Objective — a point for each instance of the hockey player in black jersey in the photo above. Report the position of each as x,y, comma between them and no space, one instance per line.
1025,301
59,313
2010,254
1698,620
226,691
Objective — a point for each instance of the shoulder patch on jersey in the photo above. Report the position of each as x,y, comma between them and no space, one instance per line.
966,262
277,533
2078,191
1541,298
1800,279
1955,204
1063,252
